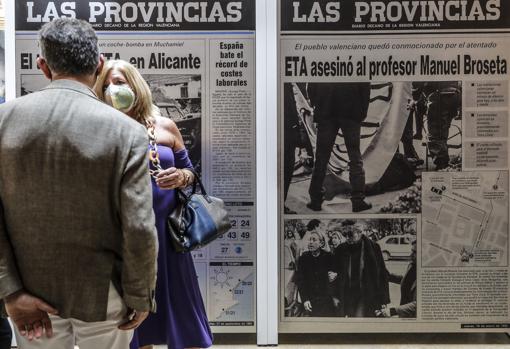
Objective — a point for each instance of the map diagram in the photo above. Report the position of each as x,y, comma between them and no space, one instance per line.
465,219
231,297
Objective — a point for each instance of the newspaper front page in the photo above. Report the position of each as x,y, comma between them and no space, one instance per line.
199,61
393,135
2,52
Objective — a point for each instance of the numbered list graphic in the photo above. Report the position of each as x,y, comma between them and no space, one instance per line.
238,242
465,219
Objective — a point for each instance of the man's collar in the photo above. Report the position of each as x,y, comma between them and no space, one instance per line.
71,85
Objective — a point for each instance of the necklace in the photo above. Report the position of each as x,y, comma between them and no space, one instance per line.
153,149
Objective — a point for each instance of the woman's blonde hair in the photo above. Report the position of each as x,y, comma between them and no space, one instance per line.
143,109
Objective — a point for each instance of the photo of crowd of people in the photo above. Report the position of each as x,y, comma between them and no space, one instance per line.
350,267
361,147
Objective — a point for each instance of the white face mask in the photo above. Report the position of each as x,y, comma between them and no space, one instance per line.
121,97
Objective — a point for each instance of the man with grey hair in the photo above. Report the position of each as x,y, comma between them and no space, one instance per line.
78,245
363,287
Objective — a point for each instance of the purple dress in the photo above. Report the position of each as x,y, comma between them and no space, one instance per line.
180,320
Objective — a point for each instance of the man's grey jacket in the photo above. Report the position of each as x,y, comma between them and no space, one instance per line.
76,202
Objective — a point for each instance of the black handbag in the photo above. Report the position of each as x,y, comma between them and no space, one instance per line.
197,219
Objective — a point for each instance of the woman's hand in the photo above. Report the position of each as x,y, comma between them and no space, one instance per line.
332,276
171,178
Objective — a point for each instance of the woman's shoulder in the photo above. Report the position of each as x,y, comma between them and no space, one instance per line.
166,124
169,133
306,254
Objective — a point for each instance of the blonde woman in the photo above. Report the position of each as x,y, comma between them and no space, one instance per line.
180,321
312,277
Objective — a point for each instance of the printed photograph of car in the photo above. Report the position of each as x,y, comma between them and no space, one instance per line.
179,97
396,246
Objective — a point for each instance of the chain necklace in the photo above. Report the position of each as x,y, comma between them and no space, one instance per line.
153,149
154,154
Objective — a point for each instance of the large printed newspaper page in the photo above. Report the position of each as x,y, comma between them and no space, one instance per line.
393,138
2,51
199,61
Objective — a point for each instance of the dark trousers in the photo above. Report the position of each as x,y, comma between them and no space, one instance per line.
407,139
5,334
442,108
291,135
419,112
327,131
358,307
289,158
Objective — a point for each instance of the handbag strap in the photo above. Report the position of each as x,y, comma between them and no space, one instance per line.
196,182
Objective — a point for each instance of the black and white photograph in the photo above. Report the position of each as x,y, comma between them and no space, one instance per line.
179,97
363,268
32,82
361,147
2,57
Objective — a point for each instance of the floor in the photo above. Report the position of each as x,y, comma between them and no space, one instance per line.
366,341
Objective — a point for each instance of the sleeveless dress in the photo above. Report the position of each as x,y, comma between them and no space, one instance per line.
180,320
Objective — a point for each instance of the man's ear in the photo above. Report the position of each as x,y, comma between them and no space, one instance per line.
41,63
100,65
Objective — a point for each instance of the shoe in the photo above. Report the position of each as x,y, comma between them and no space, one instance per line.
441,164
417,136
315,205
360,205
287,210
415,161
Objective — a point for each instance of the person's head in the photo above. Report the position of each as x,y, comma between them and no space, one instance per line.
300,229
69,49
313,224
351,231
334,232
335,238
315,241
121,85
289,233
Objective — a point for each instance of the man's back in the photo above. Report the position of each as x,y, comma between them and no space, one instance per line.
65,161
